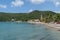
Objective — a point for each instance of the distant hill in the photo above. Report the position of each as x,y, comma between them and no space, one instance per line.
27,16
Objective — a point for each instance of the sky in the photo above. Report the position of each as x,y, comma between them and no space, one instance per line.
18,6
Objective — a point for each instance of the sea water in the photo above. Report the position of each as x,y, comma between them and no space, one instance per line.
27,31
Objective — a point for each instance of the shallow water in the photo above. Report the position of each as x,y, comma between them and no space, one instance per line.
27,31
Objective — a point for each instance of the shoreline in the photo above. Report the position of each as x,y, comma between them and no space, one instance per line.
50,25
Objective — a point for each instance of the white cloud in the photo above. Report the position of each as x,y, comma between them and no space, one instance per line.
3,6
30,10
57,4
17,3
37,1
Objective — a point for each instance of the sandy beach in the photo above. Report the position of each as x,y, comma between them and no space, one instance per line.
52,25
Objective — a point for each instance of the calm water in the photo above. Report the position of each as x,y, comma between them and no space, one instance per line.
26,31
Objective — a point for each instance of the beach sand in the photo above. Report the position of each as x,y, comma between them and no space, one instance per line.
52,25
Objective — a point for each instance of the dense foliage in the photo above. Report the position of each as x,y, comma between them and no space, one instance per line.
48,16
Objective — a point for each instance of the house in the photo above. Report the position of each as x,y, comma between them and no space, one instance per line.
12,20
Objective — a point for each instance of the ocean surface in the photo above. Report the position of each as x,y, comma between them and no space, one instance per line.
27,31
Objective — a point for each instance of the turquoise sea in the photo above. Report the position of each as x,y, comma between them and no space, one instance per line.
27,31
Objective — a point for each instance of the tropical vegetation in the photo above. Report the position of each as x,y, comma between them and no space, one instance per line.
48,16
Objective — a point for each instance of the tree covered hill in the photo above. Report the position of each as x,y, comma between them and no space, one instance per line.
47,15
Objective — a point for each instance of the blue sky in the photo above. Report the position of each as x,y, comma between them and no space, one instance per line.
29,5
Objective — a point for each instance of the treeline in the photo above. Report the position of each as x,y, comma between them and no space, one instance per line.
47,16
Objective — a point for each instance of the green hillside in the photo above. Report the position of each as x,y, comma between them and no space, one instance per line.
47,16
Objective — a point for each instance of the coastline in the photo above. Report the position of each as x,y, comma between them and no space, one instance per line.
50,25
